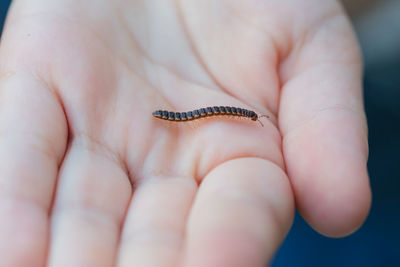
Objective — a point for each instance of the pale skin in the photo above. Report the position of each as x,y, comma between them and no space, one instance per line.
88,177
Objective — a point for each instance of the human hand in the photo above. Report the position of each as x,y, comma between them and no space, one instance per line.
90,178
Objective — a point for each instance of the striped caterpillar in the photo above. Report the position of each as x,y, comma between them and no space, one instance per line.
207,112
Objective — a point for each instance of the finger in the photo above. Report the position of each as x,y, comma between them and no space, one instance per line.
33,134
241,214
154,229
324,130
92,195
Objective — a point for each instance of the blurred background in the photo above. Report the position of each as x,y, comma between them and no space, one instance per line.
377,243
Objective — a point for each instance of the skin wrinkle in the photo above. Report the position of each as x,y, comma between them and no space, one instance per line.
148,57
13,190
196,52
50,86
199,176
364,138
139,170
126,166
122,155
23,202
150,235
302,40
89,143
12,196
349,62
163,171
316,111
317,25
6,75
196,86
187,131
319,113
90,214
243,152
145,170
135,45
166,174
50,151
278,53
145,81
159,178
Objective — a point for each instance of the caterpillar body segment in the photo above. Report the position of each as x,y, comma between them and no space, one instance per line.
207,112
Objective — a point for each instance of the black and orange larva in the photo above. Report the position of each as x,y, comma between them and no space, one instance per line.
207,112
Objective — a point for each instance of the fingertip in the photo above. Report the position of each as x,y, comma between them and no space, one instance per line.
337,213
327,168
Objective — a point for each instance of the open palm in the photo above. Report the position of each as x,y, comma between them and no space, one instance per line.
90,178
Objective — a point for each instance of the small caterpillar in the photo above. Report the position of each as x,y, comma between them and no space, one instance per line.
207,112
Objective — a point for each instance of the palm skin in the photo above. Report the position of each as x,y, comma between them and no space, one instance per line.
90,178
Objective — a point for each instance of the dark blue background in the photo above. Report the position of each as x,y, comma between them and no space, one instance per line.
377,243
3,9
